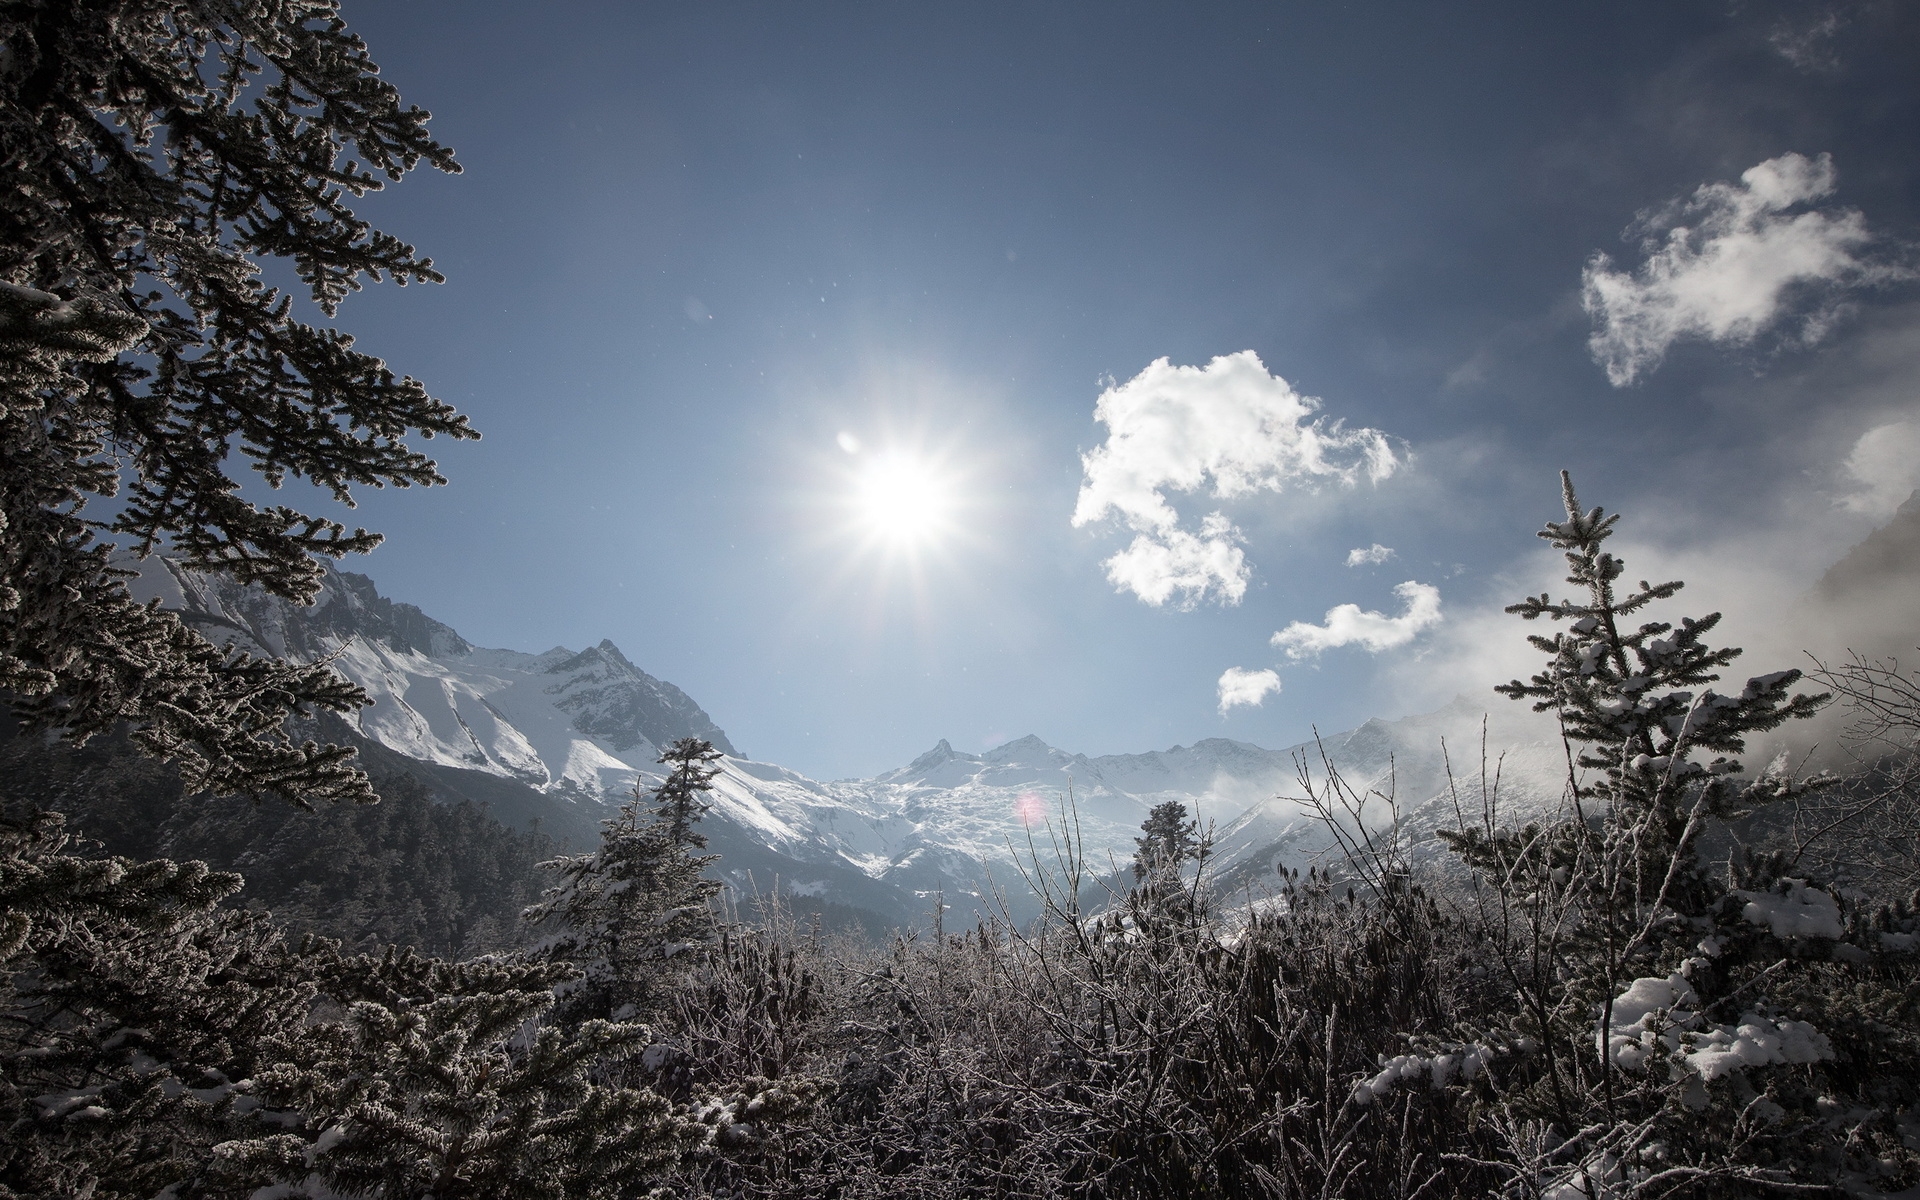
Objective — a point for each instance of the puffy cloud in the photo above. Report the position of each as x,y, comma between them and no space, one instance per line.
1229,427
1347,625
1885,467
1371,556
1157,567
1241,686
1721,265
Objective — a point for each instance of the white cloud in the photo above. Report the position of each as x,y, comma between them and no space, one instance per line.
1347,625
1229,424
1241,686
1158,567
1721,265
1371,556
1885,466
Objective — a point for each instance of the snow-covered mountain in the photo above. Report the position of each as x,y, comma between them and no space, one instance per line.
572,721
565,735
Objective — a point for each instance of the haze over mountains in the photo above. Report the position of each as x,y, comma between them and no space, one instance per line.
565,735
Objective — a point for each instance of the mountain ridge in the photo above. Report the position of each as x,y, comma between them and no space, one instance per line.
570,734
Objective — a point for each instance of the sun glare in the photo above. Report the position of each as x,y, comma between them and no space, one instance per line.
902,500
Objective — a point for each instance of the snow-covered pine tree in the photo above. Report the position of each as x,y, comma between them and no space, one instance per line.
625,912
437,1079
154,1043
1674,1026
690,775
132,1011
1163,901
155,154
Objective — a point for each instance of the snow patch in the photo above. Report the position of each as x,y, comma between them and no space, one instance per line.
1756,1041
1798,912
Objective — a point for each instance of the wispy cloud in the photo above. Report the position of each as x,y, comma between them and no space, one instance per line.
1348,624
1229,427
1884,467
1241,686
1808,45
1372,555
1726,264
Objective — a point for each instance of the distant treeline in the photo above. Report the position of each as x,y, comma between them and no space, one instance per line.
441,877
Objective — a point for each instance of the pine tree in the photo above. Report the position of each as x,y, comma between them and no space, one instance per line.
440,1079
691,776
628,910
154,1043
132,1010
156,154
1168,839
1681,1026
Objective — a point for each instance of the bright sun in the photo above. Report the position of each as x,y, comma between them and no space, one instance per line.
902,500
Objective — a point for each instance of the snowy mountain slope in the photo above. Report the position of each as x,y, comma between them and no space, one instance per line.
578,730
558,721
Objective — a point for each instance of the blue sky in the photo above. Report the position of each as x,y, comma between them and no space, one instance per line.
694,245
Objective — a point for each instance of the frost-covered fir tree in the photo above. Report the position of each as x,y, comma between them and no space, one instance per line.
626,912
1168,838
442,1080
690,775
131,1007
1673,1026
154,1043
155,155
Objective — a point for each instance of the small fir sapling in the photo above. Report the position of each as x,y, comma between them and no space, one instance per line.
1168,839
1669,1001
625,911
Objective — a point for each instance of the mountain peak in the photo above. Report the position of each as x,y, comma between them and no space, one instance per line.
463,718
611,699
1027,747
612,651
934,757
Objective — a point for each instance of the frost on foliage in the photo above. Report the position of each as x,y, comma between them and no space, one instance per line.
1798,912
144,358
1601,1179
741,1119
